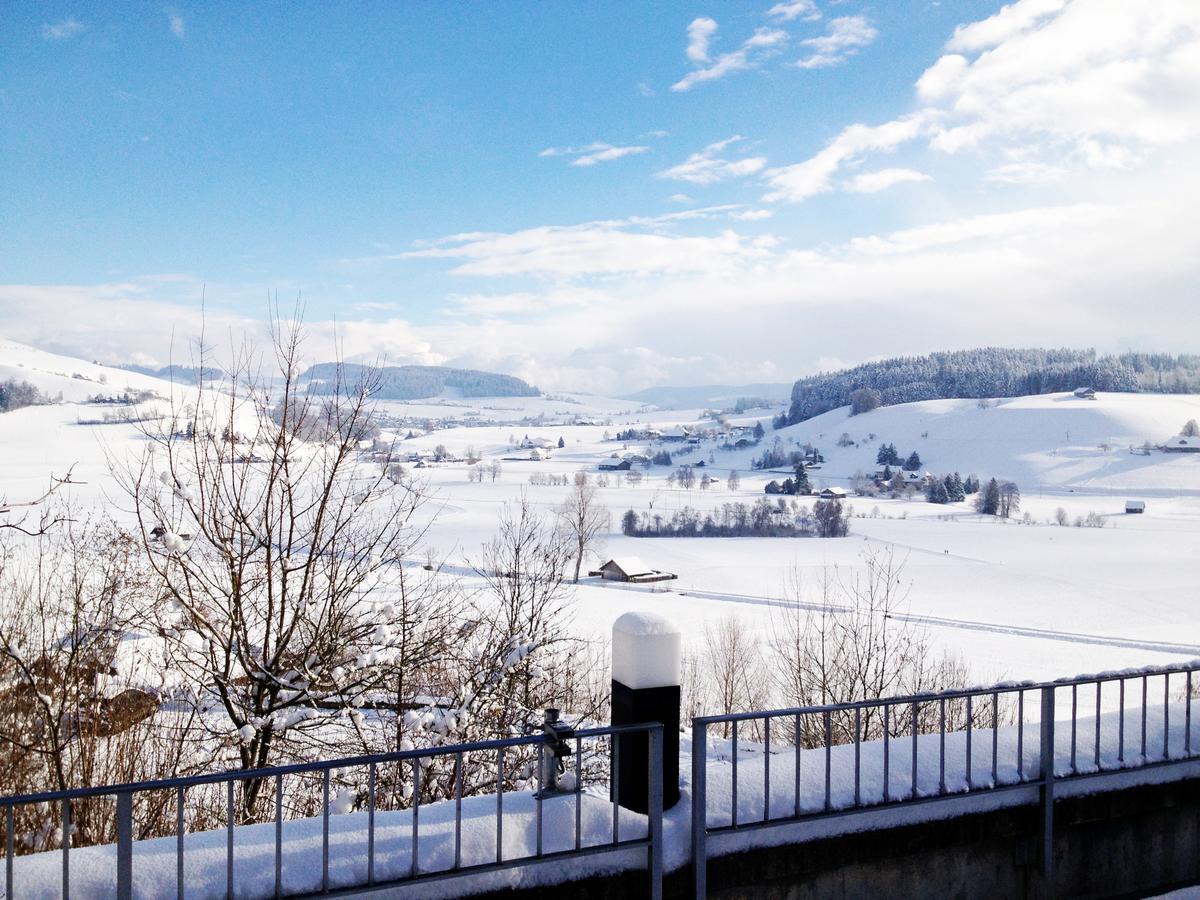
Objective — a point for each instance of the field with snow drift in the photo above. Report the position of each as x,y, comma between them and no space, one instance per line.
1013,600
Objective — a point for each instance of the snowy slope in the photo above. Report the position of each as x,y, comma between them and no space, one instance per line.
75,379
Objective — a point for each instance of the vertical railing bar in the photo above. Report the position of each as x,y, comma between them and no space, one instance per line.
500,804
8,851
886,751
655,825
915,712
970,734
1099,688
857,756
700,808
828,760
1121,723
1046,766
179,826
279,836
1187,716
942,746
1144,706
458,796
124,846
578,792
229,819
616,778
766,768
796,766
1166,715
325,831
416,817
537,798
372,777
1021,734
1074,713
734,788
66,848
995,739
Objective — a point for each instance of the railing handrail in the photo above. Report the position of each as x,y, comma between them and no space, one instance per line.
347,762
1002,687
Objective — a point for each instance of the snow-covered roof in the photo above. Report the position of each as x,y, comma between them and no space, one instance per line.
630,565
1184,440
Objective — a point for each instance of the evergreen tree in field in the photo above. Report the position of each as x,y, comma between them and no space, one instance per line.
773,487
936,492
957,491
788,486
759,431
801,482
989,503
913,463
629,523
887,473
971,485
882,458
561,443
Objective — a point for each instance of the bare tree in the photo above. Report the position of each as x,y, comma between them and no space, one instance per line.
285,600
734,667
584,519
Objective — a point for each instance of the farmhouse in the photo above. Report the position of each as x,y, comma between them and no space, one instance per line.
833,493
1084,393
1182,443
612,464
1135,506
631,569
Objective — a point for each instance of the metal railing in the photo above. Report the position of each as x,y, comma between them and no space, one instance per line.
416,760
927,748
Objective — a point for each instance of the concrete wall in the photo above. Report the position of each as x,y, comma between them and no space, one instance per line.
1129,843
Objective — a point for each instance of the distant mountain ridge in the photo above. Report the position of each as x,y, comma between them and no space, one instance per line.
419,382
176,373
994,372
723,395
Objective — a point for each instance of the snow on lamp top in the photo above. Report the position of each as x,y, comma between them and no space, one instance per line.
646,651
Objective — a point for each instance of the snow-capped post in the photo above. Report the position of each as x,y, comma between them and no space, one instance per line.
646,656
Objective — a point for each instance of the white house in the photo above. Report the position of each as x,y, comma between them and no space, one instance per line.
1182,443
833,493
631,569
1135,506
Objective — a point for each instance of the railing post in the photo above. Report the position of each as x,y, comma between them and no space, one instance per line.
699,808
125,846
1047,786
655,862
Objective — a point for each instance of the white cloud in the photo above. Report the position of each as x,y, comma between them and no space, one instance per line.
176,24
846,36
752,215
762,43
795,9
815,175
882,179
61,31
1025,173
1009,22
700,33
591,154
706,166
681,198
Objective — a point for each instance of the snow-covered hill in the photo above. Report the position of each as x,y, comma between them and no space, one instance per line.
75,379
1048,441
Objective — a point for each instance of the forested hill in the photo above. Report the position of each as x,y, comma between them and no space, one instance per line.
416,382
994,372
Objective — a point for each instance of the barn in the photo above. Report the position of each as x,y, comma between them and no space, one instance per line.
631,569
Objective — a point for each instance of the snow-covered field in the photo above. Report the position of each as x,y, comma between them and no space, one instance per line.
1013,600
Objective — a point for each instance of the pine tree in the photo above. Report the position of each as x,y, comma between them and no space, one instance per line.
629,523
913,463
989,503
561,443
802,484
887,473
882,456
936,492
759,431
957,491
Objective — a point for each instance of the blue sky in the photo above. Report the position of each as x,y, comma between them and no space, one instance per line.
625,173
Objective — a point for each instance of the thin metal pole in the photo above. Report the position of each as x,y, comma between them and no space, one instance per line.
942,746
416,817
325,831
124,846
1099,685
766,768
828,760
886,752
1187,717
995,739
179,825
1047,785
914,751
458,794
537,798
1074,712
970,725
8,851
796,766
1144,704
857,757
1021,735
229,819
655,851
279,838
700,808
578,793
66,848
500,802
1166,715
1121,724
616,779
734,788
372,776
